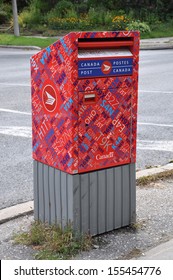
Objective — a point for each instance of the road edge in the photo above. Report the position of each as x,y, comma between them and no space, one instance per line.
21,47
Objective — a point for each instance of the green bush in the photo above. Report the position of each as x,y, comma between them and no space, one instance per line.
62,9
3,17
71,23
28,18
143,27
5,13
82,8
96,16
120,22
44,6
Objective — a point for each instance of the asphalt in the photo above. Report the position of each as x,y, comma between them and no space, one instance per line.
22,214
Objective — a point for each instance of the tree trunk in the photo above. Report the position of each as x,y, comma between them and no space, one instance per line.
15,19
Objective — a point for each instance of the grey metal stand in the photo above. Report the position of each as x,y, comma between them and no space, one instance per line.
94,202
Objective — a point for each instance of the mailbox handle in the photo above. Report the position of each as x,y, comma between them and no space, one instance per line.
112,44
90,98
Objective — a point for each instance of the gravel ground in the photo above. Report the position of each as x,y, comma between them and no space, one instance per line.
154,225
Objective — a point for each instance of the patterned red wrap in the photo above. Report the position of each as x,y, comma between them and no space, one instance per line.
80,124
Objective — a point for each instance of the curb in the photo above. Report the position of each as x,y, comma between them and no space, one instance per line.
162,252
16,211
152,48
154,170
21,47
26,208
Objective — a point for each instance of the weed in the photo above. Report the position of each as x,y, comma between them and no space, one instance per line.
145,180
54,243
138,225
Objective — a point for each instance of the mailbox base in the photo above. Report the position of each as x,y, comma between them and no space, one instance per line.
94,202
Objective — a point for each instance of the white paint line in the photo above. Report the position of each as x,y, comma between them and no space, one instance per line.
14,111
156,124
155,91
166,146
12,85
20,131
25,131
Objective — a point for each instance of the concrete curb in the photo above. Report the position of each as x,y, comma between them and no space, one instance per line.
16,211
21,47
155,48
25,208
154,170
162,251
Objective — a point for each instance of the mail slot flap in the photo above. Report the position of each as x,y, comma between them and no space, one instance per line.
90,53
104,43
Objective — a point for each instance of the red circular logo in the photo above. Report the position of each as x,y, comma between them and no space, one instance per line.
106,67
49,98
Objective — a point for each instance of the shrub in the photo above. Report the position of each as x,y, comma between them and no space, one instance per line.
62,8
28,18
108,18
68,23
96,16
5,13
82,8
3,17
120,22
143,27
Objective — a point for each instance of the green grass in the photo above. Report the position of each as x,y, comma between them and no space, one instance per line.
160,30
53,243
6,39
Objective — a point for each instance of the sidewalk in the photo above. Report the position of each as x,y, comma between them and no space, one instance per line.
150,238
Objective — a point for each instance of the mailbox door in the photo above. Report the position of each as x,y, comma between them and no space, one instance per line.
105,127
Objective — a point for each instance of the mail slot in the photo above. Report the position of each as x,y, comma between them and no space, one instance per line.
84,101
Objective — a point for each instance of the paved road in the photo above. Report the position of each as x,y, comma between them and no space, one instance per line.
16,163
155,129
155,118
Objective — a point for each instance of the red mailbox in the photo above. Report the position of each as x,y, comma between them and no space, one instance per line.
84,101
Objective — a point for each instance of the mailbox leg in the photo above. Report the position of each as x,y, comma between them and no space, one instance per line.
94,202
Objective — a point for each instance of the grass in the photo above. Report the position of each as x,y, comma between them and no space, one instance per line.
160,30
145,180
7,39
52,243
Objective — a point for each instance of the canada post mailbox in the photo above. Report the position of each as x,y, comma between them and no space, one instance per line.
84,101
84,114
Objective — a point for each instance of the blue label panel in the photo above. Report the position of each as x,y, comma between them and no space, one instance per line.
105,67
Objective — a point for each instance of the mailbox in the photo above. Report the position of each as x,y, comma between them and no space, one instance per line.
84,101
84,115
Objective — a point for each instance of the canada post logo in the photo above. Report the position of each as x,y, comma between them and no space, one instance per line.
106,67
49,98
89,68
